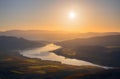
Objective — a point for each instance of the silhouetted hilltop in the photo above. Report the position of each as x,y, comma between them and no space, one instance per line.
112,40
14,43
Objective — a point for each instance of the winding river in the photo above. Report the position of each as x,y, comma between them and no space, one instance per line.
45,54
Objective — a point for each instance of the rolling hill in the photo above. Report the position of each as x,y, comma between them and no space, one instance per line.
110,40
14,43
102,50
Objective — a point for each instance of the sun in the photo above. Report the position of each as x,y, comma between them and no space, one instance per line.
71,14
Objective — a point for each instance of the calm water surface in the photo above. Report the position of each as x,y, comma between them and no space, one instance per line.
45,54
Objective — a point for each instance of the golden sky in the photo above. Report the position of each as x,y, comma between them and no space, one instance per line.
66,15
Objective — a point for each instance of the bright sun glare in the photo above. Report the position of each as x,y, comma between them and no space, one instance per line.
72,15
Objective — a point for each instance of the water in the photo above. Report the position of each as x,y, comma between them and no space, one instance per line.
45,53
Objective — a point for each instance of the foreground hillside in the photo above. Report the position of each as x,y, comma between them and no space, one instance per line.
18,67
103,50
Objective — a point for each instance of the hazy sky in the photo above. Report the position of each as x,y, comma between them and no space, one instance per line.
91,15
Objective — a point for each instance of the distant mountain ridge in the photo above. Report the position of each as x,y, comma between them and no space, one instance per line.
52,36
109,40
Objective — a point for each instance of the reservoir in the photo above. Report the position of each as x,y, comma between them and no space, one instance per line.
45,53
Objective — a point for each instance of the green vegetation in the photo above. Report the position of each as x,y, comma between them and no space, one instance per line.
68,52
17,72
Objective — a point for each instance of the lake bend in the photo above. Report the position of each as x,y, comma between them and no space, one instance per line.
45,53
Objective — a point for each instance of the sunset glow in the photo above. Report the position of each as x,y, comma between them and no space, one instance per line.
59,39
72,15
60,15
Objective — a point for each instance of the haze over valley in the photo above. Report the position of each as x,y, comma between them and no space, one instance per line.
52,36
59,39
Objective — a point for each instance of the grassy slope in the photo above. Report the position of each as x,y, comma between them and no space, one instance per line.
18,67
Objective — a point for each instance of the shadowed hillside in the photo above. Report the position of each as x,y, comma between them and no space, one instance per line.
112,40
14,43
15,66
104,50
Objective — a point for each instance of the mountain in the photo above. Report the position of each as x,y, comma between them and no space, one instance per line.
101,50
51,36
112,40
14,43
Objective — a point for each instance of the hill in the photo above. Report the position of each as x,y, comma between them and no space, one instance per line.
14,43
111,40
102,50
